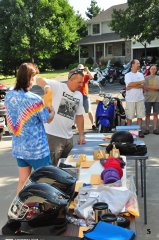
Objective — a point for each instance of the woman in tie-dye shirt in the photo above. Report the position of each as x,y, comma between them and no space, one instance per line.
25,117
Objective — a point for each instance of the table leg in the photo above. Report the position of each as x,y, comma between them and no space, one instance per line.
145,195
141,168
136,175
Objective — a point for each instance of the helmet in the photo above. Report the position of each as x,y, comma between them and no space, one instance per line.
114,163
110,175
40,204
122,137
56,177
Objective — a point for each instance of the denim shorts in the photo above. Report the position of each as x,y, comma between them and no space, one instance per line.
151,105
34,163
86,104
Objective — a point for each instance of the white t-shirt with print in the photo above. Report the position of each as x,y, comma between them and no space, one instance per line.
66,104
134,94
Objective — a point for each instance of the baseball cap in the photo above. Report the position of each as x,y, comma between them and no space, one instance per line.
80,67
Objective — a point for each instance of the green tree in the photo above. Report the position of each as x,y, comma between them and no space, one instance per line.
93,10
34,30
137,22
66,57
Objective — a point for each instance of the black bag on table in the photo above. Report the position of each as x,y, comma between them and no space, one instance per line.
128,149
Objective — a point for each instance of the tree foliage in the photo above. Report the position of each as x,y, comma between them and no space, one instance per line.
35,29
93,10
140,21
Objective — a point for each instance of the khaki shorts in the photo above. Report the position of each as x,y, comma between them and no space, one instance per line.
135,109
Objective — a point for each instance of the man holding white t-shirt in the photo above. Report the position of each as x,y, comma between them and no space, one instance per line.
135,106
67,104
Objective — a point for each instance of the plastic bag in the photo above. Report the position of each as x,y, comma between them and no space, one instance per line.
115,197
48,98
132,205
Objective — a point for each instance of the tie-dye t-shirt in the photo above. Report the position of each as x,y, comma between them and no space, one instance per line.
25,117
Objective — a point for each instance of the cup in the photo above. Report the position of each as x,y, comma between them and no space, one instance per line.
109,218
100,208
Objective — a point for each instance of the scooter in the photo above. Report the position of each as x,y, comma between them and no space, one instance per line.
105,113
109,113
103,76
115,74
126,69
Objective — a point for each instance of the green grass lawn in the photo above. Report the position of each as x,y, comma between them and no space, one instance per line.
10,80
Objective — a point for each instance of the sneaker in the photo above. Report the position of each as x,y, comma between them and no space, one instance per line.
146,132
73,127
156,131
94,127
141,134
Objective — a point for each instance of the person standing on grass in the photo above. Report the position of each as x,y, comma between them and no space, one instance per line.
68,105
84,90
135,106
26,114
151,92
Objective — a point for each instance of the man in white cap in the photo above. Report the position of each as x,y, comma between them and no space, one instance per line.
84,90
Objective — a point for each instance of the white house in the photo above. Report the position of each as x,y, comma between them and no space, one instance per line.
101,41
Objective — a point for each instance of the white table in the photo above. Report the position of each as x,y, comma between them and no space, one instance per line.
92,141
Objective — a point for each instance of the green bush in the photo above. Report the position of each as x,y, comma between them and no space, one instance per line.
89,61
72,66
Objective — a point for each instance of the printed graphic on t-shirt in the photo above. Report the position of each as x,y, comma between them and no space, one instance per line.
68,106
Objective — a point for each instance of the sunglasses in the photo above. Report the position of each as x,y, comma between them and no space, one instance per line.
77,71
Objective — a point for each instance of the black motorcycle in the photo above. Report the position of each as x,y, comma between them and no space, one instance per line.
3,120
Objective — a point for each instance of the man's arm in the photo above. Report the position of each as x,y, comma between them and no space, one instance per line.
79,120
138,84
149,88
89,73
41,82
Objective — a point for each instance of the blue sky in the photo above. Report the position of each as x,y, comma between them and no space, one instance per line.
81,5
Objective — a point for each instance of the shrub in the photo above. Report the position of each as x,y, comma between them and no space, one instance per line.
89,61
72,66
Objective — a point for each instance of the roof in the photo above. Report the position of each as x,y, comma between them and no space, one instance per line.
106,15
106,37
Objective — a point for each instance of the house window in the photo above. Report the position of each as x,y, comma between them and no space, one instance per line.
110,49
96,28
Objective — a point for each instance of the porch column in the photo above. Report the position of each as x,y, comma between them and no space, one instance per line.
132,51
79,54
104,50
95,60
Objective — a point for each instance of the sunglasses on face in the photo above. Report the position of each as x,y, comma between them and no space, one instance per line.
77,71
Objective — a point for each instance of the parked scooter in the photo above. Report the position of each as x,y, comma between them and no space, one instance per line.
3,121
109,113
126,69
102,76
123,92
115,74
